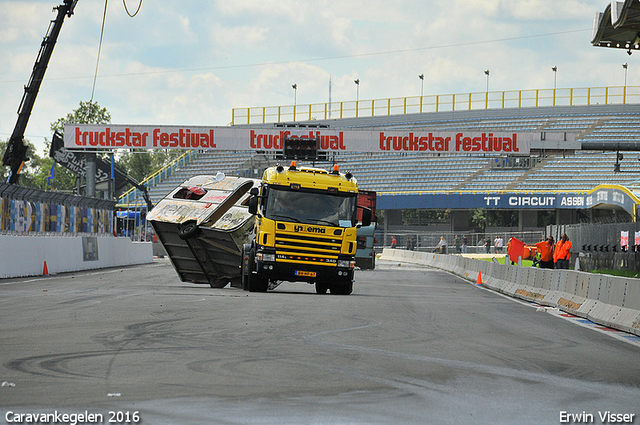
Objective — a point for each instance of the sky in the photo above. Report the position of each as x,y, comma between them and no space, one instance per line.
181,62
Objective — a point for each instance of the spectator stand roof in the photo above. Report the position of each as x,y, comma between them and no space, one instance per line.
618,26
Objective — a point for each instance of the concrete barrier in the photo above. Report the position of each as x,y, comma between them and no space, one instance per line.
25,255
607,300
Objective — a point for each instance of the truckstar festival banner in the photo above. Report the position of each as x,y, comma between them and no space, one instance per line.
89,136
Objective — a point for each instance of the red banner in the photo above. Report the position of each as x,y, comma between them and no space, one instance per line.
90,136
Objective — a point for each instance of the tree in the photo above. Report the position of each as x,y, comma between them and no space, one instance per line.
482,218
479,219
138,165
87,113
30,167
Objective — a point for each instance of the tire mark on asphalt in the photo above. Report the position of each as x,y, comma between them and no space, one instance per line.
459,367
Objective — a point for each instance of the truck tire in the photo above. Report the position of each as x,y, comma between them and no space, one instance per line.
219,284
245,266
188,230
342,289
255,283
321,287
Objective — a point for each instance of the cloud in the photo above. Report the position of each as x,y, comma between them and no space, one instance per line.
180,62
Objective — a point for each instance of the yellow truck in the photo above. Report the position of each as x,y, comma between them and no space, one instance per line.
305,230
296,224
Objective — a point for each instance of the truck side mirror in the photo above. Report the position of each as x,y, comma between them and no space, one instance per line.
366,217
253,204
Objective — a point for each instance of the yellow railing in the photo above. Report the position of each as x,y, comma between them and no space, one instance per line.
438,103
131,196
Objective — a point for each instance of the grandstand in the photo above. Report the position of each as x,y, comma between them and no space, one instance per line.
570,170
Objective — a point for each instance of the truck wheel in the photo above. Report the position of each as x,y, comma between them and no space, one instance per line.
219,284
342,289
258,284
321,288
245,266
254,282
188,229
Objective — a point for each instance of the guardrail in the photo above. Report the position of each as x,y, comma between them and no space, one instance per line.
607,300
438,103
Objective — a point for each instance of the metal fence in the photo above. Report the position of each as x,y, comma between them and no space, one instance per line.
428,241
602,246
438,103
32,211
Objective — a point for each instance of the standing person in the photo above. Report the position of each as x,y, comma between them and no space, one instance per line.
545,249
394,242
495,245
456,243
442,245
487,246
464,244
410,243
562,253
499,244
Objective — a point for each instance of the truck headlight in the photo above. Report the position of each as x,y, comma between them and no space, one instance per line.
266,257
347,264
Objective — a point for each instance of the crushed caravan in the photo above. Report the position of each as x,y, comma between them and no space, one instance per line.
203,224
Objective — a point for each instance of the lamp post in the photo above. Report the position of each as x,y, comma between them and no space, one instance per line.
624,89
295,99
555,75
486,97
421,76
357,81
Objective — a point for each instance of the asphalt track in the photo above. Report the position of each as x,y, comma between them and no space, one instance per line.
411,345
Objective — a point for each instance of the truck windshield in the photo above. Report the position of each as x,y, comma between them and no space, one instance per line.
319,208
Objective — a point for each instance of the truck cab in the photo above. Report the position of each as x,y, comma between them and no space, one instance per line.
305,230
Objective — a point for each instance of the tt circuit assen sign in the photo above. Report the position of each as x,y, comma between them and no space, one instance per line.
610,195
86,136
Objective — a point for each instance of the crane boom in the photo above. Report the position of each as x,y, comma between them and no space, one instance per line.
15,155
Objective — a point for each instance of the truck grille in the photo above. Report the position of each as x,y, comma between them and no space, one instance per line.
307,249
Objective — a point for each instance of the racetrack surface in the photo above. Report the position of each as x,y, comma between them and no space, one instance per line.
411,345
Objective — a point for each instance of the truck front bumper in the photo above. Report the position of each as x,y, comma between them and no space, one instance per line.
302,272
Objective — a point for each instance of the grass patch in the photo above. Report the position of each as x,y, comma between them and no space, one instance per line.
621,273
525,263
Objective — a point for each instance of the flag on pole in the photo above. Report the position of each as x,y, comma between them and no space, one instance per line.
52,174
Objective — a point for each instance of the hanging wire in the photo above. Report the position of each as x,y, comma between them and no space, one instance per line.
127,10
95,75
104,19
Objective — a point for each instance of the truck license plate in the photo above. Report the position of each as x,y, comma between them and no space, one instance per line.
305,273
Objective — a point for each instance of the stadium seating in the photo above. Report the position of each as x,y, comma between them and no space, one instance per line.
410,172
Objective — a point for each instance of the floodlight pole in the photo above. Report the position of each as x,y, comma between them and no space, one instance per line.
421,76
357,81
486,100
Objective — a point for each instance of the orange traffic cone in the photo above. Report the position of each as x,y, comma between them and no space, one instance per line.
45,271
479,279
